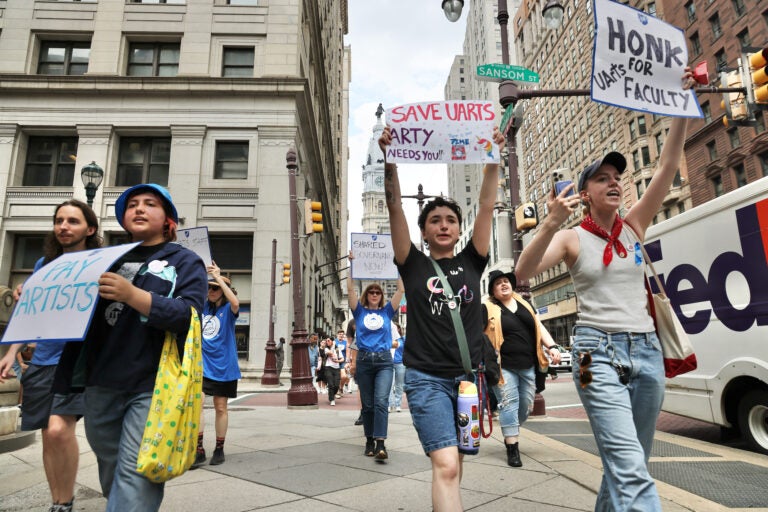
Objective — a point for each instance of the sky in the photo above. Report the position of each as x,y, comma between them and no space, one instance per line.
402,51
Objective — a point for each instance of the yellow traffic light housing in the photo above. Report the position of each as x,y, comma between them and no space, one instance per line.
313,216
525,217
758,70
286,273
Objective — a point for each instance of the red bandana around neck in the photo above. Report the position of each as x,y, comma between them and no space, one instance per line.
613,239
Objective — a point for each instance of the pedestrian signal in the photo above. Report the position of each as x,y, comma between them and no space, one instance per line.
525,217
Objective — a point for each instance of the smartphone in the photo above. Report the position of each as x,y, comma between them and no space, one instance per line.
561,178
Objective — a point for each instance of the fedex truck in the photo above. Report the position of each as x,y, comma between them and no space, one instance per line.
713,262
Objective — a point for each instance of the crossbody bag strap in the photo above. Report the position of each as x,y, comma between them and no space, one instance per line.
648,262
461,335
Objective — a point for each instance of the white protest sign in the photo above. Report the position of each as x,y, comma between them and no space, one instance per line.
451,132
57,302
374,256
638,62
196,240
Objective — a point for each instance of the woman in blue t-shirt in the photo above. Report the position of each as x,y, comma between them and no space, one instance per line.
373,367
221,370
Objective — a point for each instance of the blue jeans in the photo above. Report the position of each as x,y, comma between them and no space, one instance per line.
114,426
623,416
374,379
515,398
396,397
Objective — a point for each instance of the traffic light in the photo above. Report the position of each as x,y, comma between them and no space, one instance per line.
313,216
525,216
758,70
286,273
734,103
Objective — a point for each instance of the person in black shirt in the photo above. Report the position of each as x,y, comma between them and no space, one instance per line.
431,356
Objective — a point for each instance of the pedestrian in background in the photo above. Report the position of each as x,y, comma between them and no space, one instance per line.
313,351
331,363
148,291
221,369
433,363
75,228
618,364
396,397
279,359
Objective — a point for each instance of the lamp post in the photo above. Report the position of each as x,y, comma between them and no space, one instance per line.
302,393
420,197
270,360
91,175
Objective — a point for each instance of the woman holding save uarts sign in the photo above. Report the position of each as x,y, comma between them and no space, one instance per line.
432,358
618,367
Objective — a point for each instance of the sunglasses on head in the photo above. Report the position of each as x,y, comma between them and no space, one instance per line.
585,375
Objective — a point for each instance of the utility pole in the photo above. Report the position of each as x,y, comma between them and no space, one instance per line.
270,361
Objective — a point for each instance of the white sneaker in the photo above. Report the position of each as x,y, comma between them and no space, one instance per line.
333,402
398,409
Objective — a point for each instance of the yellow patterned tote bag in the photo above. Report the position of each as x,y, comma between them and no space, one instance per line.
170,434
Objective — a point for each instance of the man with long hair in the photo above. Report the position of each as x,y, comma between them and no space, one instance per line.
75,228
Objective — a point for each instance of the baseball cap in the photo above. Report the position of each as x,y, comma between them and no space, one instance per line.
613,158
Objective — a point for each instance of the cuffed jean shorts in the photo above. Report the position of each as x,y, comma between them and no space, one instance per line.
432,402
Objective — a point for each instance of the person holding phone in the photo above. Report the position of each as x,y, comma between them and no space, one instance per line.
619,373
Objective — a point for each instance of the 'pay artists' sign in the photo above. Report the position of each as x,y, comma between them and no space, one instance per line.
58,301
458,132
374,256
639,61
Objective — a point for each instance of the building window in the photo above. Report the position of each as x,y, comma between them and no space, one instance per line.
740,174
733,136
231,160
695,44
143,160
639,189
158,1
744,38
632,133
690,9
721,61
636,159
238,62
707,112
27,249
63,58
712,150
242,2
717,185
153,59
658,140
50,162
651,8
717,30
646,155
759,122
764,163
738,6
641,126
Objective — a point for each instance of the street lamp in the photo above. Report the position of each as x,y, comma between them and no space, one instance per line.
553,14
452,9
269,378
421,196
91,175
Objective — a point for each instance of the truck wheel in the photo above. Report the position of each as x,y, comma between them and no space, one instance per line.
753,419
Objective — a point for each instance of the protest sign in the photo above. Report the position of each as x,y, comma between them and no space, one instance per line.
196,240
451,132
57,302
374,257
638,62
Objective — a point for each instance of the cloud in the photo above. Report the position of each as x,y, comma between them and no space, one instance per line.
402,52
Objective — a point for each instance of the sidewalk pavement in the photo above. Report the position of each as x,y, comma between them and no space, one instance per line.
280,459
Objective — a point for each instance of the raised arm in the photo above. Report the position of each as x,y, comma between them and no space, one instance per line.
641,214
401,238
481,233
215,272
351,292
398,295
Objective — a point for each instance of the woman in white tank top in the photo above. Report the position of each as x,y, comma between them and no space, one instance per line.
620,371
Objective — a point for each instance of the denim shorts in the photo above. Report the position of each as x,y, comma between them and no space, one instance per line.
432,402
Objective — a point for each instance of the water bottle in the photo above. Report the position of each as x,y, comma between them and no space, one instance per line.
468,418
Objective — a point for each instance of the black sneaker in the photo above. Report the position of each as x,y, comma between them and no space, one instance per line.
359,420
199,460
381,453
218,457
369,447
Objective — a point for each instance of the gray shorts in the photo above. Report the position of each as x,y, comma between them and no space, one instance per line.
38,402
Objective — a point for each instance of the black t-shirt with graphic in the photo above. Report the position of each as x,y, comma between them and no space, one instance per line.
432,345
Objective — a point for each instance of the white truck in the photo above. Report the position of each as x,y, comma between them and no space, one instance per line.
713,261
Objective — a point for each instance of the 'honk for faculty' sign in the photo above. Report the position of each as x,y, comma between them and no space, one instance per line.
57,302
451,132
639,61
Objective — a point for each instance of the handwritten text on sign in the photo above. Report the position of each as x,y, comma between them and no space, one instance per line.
638,62
196,240
374,256
57,301
458,132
